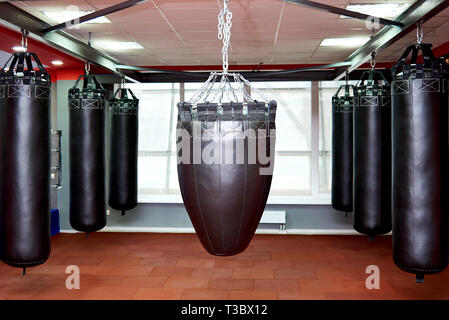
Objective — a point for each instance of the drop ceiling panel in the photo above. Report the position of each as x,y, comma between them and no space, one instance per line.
180,32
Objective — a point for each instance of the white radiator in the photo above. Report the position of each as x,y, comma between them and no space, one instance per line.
275,217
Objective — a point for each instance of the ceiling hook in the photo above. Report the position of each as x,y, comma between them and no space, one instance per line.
373,60
24,39
87,67
419,33
89,38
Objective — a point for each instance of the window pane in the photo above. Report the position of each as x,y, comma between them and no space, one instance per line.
291,176
152,174
157,136
173,184
293,117
155,106
327,90
325,173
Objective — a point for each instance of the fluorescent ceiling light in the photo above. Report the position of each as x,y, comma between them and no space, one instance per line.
119,45
381,10
19,48
64,16
57,62
344,42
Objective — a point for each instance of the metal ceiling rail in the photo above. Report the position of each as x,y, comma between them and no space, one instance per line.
345,12
13,16
420,10
311,68
183,73
96,14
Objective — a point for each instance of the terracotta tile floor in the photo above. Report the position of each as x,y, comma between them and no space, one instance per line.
175,266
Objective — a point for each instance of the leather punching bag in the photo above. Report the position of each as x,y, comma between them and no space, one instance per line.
123,159
24,162
87,155
420,163
225,197
372,155
342,113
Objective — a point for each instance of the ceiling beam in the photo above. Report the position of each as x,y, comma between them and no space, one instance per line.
420,10
306,75
96,14
344,12
15,17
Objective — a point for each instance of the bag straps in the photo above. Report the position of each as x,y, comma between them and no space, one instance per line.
89,82
122,93
346,88
430,63
21,64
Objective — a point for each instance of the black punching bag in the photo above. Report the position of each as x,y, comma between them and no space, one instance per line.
342,113
420,162
123,158
372,155
24,162
225,196
87,155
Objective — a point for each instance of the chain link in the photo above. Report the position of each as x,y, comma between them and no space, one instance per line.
224,33
225,87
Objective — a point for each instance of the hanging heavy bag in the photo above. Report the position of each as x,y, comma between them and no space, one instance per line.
87,155
24,162
123,157
372,155
342,113
225,199
420,162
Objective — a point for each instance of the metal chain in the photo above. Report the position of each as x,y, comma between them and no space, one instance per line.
224,87
224,32
373,60
253,89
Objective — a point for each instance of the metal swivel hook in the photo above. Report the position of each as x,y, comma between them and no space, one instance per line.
419,33
87,67
24,39
373,60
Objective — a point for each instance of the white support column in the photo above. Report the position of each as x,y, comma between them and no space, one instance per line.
315,161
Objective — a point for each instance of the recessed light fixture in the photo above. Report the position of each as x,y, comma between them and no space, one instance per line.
57,62
119,45
64,16
381,10
19,48
344,42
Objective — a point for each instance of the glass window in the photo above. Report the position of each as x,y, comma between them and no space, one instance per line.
294,172
292,175
157,141
326,90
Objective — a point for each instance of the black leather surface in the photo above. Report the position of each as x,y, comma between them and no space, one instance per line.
25,174
87,160
225,201
420,163
123,158
420,160
342,165
372,164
